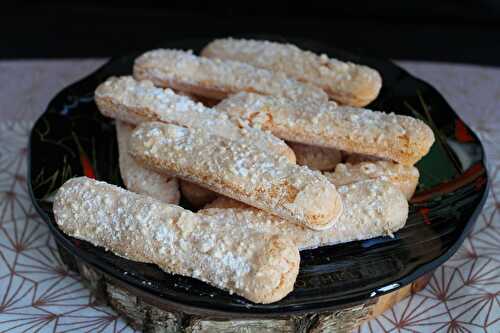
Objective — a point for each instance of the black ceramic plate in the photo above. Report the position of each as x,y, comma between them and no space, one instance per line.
72,139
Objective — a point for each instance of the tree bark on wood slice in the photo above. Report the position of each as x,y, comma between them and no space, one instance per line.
147,317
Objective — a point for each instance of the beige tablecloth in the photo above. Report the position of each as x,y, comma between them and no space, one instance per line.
38,293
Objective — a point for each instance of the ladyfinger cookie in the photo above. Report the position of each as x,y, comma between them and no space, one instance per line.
215,78
136,102
239,170
137,178
345,82
196,195
372,208
404,177
315,157
400,138
261,267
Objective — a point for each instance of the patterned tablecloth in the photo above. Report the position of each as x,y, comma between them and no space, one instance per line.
37,293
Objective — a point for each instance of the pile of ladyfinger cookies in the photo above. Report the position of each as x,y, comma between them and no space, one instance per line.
269,143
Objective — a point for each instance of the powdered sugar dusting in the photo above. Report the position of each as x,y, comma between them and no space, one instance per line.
139,179
139,101
226,76
371,208
404,177
397,137
344,81
241,170
177,240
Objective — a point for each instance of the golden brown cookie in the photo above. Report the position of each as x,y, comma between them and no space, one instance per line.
215,78
139,179
345,82
372,208
239,170
315,157
259,266
136,102
400,138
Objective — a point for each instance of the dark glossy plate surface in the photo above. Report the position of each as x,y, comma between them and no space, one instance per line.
72,138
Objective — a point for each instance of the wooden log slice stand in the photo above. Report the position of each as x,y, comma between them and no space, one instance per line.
143,314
